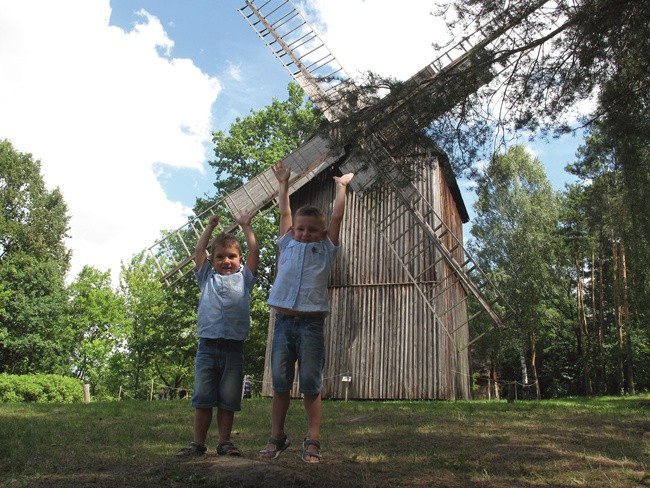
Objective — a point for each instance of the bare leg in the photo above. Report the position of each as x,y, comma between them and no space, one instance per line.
312,407
225,420
313,410
279,409
202,421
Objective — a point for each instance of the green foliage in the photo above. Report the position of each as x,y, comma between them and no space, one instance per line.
160,330
40,388
530,80
33,264
611,252
594,46
98,322
515,238
33,219
257,141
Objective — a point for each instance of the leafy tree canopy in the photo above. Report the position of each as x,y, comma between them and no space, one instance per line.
257,141
33,264
97,323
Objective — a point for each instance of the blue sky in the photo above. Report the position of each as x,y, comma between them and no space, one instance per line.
118,99
218,40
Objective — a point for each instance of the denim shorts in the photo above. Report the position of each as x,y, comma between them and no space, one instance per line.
299,339
218,374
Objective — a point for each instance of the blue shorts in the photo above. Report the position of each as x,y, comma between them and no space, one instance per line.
218,374
299,339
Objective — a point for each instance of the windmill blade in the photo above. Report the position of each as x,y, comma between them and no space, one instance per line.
173,254
464,270
462,69
302,52
454,75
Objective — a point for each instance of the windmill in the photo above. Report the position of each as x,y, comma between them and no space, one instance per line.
400,322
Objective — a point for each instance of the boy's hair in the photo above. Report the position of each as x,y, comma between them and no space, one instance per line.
311,211
225,240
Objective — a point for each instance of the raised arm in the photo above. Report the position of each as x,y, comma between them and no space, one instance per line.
202,244
253,257
338,208
282,174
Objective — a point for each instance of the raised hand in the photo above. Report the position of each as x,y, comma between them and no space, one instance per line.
343,180
244,218
214,220
281,172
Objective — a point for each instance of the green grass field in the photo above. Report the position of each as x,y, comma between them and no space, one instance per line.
590,442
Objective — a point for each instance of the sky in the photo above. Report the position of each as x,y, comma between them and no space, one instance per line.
118,99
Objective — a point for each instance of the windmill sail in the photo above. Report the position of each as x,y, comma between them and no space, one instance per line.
173,253
302,52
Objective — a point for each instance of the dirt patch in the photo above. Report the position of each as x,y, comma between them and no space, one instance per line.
243,472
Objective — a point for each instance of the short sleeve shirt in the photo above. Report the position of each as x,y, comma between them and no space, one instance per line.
224,303
302,275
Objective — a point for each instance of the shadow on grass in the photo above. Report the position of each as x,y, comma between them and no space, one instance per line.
571,442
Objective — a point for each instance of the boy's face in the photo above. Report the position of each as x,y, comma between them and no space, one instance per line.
226,260
308,228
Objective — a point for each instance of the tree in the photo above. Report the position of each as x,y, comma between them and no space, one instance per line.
160,330
257,141
98,323
177,339
515,237
33,264
615,261
554,56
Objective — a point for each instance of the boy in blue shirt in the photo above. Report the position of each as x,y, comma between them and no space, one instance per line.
299,298
223,324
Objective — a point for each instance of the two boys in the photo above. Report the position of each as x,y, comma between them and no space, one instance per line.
300,300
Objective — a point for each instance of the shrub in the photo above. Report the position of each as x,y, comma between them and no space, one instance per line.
40,388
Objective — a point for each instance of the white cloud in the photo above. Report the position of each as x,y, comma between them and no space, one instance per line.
234,71
388,37
101,108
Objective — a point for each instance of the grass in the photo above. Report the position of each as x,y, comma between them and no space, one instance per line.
590,442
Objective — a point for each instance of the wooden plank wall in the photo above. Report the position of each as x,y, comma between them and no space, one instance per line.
380,330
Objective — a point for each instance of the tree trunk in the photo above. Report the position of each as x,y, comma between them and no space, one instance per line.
630,390
599,315
618,321
522,361
495,382
533,361
583,328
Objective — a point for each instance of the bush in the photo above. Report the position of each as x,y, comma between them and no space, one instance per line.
40,388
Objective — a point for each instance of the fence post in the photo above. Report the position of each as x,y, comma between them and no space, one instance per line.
86,393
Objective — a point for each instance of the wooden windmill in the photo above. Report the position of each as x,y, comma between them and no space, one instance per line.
399,325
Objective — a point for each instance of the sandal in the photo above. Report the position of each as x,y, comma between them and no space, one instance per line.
227,448
307,455
280,445
192,449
